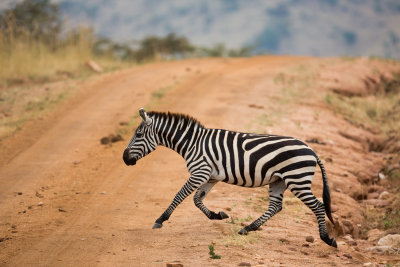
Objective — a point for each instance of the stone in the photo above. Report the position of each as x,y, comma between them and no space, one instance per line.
94,66
390,240
244,264
334,208
381,176
174,264
374,235
347,227
373,195
349,240
375,188
310,239
380,203
384,195
348,256
368,264
382,249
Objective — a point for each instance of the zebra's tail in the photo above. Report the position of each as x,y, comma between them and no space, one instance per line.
326,196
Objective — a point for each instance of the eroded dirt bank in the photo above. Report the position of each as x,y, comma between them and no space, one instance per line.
65,199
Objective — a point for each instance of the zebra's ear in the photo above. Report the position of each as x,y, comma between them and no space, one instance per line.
144,116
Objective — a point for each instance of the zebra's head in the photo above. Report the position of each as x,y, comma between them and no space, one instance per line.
143,141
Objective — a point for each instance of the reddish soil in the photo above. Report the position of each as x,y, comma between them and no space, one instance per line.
65,199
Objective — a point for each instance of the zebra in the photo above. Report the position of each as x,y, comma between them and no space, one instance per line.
243,159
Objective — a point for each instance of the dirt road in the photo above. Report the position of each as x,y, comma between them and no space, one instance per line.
67,200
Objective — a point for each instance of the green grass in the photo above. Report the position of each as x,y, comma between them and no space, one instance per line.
379,111
212,252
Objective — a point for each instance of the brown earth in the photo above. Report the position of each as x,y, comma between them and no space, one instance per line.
66,199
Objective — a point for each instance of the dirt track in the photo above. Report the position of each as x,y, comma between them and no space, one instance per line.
97,211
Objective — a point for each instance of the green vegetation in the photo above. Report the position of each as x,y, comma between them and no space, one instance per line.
379,111
212,253
35,46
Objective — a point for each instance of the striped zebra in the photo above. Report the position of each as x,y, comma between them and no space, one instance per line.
250,160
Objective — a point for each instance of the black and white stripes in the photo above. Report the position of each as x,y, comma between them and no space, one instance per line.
243,159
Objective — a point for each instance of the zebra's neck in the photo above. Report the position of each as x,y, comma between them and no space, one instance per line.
178,133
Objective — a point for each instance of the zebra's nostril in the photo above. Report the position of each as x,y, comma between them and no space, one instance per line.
128,161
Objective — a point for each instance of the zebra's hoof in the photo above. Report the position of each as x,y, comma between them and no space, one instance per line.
243,232
334,244
157,225
223,215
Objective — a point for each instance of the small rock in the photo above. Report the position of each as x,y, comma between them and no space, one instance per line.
340,243
373,195
228,209
380,249
349,240
124,249
334,208
103,193
116,138
338,190
306,245
310,238
94,66
390,240
19,193
123,123
174,264
347,255
368,264
375,188
348,226
381,176
105,140
380,203
244,264
374,235
260,262
384,195
61,210
40,204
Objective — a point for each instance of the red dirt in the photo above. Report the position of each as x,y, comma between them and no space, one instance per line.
97,211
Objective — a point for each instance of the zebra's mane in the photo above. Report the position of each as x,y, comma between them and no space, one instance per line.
177,116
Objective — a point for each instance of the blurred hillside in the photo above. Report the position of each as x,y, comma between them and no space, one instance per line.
307,27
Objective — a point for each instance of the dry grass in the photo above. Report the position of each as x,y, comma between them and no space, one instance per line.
379,111
25,57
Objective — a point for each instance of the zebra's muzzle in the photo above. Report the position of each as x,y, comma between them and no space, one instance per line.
127,160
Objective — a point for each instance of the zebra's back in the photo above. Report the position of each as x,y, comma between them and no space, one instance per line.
255,160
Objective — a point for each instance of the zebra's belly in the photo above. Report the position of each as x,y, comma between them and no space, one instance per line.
245,181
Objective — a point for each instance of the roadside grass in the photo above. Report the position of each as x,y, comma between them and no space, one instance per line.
26,57
22,103
233,238
379,111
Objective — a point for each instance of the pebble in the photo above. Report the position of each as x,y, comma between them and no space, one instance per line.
390,240
228,209
310,239
381,203
40,204
334,208
381,176
384,195
174,264
349,240
348,256
244,264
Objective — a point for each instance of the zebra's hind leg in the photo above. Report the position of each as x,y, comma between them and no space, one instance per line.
303,192
198,201
276,190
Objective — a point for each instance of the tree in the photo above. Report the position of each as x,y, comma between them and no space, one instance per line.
40,17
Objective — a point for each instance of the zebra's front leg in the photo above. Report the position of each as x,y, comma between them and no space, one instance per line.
276,190
198,201
192,184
